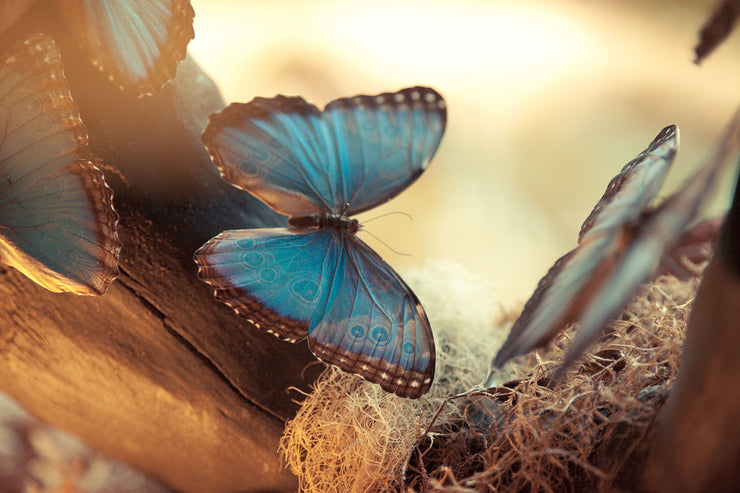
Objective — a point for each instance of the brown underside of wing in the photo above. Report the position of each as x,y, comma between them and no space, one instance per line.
508,350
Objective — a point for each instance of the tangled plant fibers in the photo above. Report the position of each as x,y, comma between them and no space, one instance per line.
529,434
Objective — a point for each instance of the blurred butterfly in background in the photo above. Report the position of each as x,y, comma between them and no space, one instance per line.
138,44
620,245
57,223
317,279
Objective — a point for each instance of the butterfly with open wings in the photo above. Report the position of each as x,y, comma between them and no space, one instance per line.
317,280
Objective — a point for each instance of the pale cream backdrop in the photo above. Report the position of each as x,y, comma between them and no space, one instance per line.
547,100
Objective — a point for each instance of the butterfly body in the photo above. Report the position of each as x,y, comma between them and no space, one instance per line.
326,220
317,280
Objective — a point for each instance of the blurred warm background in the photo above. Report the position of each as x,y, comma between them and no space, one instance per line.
547,101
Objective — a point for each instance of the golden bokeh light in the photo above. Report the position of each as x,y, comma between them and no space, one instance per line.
547,101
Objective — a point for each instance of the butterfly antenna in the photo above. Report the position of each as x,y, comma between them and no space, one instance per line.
389,214
387,245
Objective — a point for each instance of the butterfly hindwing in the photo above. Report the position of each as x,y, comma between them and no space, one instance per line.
136,43
57,223
360,151
61,231
271,277
372,324
557,299
329,286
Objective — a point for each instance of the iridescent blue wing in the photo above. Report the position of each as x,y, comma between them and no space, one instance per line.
136,43
360,151
57,224
326,285
383,144
570,285
271,277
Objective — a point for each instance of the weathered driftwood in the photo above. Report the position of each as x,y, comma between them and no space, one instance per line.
155,372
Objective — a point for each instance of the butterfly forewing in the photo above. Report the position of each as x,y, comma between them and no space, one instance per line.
57,224
136,43
360,151
383,144
629,193
274,149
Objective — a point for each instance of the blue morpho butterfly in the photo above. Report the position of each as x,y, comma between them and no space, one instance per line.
57,224
317,279
620,245
136,43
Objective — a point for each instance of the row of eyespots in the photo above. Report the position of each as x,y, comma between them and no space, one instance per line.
380,337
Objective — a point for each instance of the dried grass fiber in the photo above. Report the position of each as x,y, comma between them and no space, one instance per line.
530,434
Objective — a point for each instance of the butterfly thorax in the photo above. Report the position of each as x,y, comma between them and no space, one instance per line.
326,220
